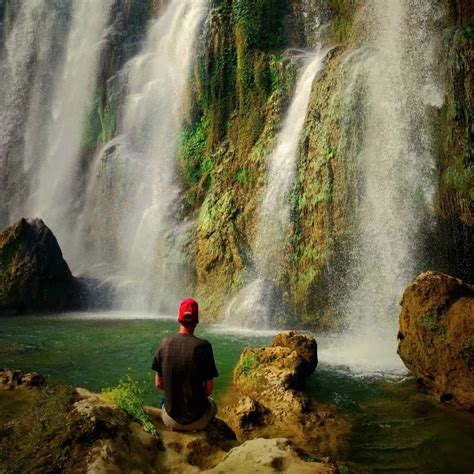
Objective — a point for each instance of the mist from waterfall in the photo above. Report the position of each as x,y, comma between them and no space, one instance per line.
130,201
50,65
30,56
397,176
254,304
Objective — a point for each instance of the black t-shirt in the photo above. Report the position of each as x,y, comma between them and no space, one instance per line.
184,362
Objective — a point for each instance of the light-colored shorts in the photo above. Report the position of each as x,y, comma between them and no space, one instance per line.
195,425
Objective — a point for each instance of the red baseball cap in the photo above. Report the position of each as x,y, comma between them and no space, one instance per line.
188,312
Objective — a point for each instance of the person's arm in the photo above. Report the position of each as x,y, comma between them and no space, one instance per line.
159,381
208,386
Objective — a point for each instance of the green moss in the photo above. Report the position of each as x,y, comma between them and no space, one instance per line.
100,122
460,176
262,22
467,352
195,162
129,396
343,12
215,211
430,323
40,436
247,365
241,176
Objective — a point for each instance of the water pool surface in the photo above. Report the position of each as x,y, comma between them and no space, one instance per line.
396,427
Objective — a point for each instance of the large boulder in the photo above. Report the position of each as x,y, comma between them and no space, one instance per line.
267,381
34,277
33,273
261,456
436,337
268,372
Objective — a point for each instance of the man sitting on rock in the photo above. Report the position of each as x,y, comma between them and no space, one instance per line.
185,369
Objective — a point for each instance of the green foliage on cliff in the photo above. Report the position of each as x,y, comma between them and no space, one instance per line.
195,162
262,22
342,19
467,352
100,123
247,365
129,395
428,321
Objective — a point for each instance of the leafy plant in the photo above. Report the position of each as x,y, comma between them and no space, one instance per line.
129,396
248,364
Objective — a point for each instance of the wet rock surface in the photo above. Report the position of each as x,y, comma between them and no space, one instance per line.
10,380
436,337
33,273
269,455
270,404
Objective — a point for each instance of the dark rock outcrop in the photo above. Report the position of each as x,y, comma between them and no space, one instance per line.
267,380
34,277
33,273
436,338
10,380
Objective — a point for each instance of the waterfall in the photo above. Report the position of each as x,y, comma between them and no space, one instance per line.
48,69
253,305
397,170
130,204
57,188
34,33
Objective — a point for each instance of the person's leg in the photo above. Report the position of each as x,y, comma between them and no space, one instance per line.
195,425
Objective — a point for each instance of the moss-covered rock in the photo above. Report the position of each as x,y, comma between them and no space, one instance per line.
267,380
33,273
436,338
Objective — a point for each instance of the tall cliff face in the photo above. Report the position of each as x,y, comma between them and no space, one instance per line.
244,78
456,163
241,89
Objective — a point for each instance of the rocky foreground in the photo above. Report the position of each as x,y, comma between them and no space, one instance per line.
62,429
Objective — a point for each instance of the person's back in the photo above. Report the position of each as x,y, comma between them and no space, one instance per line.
185,369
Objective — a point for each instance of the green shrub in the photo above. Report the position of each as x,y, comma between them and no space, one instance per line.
248,364
129,396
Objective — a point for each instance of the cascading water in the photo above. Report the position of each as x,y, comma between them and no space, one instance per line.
130,202
34,33
57,189
253,305
47,93
397,169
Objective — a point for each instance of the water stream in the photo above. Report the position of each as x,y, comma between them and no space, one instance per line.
396,426
131,197
258,303
396,165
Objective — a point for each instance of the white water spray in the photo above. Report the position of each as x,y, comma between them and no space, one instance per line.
57,188
397,167
30,56
134,189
